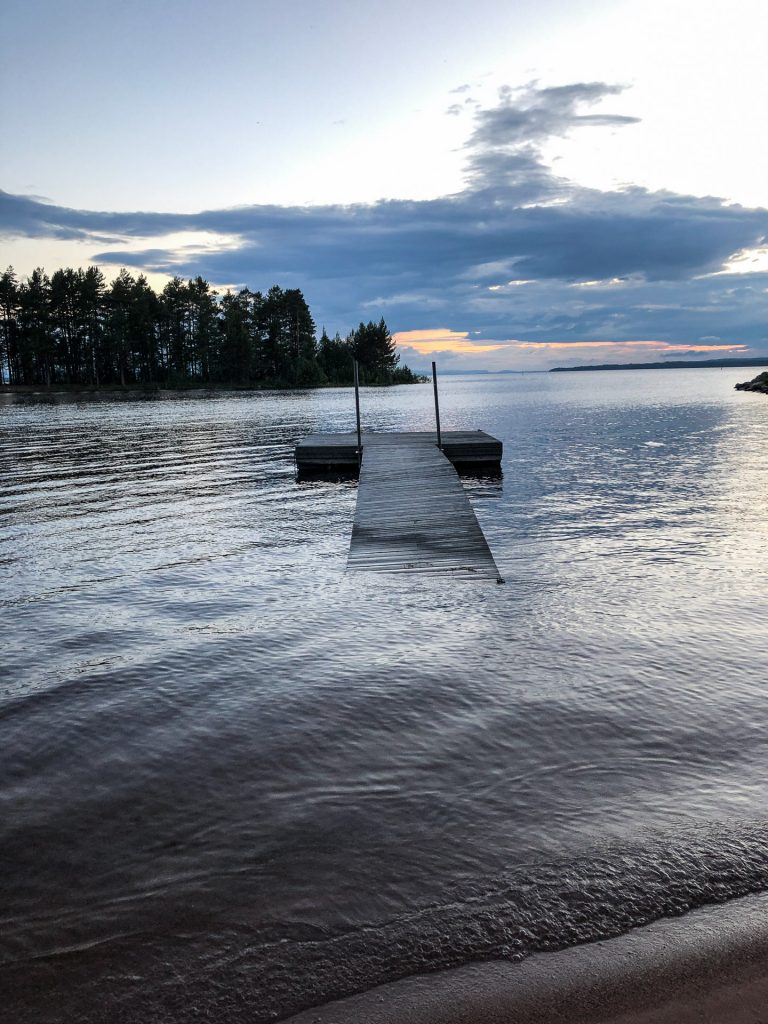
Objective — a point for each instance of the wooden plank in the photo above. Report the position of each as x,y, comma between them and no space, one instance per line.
413,515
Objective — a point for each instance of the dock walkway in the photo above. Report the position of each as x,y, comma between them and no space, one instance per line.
413,515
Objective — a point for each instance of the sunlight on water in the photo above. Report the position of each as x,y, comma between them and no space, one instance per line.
255,783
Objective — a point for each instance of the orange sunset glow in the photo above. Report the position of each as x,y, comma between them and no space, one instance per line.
655,346
442,339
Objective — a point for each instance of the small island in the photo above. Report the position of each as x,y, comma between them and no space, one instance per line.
758,383
73,331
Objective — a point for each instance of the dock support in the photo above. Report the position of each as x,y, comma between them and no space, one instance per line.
437,406
357,413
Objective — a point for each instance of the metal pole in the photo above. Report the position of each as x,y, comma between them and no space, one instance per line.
437,407
357,413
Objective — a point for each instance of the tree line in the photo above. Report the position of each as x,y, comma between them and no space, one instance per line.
74,329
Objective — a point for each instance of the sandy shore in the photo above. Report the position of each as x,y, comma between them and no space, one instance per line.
708,967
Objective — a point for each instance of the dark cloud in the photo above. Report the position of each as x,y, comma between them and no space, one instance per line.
23,216
450,260
507,138
529,116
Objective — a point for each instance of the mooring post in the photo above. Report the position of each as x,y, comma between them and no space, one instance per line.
437,407
357,413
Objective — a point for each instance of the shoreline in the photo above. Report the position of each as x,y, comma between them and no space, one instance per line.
758,384
709,966
151,389
671,364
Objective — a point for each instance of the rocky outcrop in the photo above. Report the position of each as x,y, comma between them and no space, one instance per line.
760,383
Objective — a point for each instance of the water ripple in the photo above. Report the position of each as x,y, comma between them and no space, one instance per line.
231,771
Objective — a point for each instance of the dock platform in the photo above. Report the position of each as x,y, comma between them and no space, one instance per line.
471,452
413,514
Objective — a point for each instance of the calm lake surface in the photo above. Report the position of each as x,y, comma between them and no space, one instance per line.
235,783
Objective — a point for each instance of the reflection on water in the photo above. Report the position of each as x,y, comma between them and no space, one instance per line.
236,779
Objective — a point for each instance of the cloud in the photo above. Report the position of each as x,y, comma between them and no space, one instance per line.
629,346
518,253
504,149
455,348
529,116
441,339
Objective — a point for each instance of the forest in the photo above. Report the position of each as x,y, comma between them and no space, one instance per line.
75,330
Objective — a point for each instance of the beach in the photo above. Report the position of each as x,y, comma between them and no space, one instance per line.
707,967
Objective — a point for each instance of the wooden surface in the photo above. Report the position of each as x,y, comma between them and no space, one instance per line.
413,515
460,446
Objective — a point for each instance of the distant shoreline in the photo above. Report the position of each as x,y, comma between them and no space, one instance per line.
670,364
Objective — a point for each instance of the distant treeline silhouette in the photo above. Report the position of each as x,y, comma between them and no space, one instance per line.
74,329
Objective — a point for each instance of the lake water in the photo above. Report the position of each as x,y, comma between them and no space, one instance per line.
236,783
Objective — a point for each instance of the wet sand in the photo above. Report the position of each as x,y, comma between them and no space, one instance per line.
707,967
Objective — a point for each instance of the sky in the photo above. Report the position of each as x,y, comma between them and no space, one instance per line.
511,184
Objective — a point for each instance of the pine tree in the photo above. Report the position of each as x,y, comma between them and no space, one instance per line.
143,324
175,316
374,349
234,358
92,288
118,361
36,336
9,311
335,356
203,328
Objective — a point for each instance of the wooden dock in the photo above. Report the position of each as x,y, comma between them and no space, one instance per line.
469,451
413,514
